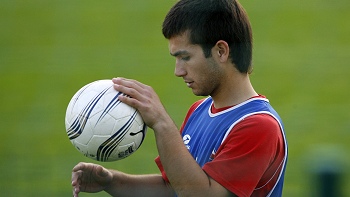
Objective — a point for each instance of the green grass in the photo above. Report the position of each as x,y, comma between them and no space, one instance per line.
49,49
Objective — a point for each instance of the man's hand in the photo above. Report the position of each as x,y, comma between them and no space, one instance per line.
145,100
88,177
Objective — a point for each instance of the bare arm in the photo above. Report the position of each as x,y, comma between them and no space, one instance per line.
87,177
138,185
185,175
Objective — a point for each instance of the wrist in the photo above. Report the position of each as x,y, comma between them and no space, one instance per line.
164,126
115,182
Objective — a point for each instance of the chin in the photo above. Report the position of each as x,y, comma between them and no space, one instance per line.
200,93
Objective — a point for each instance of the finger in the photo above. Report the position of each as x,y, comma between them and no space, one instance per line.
136,94
130,83
79,166
77,172
131,95
102,172
117,79
76,187
131,101
76,175
76,178
76,192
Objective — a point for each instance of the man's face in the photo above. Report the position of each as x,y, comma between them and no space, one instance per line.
200,74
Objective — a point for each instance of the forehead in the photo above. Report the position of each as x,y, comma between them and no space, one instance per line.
181,44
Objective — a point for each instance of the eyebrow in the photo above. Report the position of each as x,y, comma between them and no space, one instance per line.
182,52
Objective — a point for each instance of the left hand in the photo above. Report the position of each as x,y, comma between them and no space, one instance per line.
88,177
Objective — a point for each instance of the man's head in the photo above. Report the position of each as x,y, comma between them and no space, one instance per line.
209,21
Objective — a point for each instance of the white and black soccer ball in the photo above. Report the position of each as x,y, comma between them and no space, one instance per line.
100,126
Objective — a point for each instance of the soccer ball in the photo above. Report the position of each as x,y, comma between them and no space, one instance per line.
100,126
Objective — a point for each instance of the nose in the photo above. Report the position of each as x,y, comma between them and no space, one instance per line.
179,69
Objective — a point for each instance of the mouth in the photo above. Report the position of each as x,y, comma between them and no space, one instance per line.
189,83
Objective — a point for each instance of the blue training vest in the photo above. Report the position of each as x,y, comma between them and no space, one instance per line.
204,131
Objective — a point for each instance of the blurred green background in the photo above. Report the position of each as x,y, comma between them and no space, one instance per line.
49,49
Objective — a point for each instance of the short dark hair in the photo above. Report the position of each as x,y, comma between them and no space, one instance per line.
209,21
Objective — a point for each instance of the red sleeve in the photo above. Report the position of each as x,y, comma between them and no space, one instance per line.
244,160
190,111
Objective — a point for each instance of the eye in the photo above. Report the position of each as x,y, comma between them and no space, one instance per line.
186,58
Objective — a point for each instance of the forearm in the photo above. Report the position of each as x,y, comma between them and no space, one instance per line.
185,175
126,185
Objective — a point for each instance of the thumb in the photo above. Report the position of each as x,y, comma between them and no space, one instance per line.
101,171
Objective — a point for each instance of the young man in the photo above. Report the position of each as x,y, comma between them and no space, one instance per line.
231,143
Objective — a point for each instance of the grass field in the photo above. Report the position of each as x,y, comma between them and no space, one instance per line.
49,49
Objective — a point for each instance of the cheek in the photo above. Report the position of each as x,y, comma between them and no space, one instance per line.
212,75
206,78
211,70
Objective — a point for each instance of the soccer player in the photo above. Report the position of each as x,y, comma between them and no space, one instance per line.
231,143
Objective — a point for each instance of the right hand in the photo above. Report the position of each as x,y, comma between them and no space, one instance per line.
88,177
145,100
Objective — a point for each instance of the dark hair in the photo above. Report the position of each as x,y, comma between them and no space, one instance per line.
209,21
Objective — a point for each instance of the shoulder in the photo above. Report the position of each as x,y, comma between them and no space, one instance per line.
258,127
191,110
263,121
258,136
196,104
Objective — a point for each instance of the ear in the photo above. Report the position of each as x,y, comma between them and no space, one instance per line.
222,50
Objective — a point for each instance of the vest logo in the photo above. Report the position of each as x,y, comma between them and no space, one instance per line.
186,139
212,156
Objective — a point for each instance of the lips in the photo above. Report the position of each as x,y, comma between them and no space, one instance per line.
189,83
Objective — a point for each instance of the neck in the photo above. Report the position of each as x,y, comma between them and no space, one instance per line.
236,89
